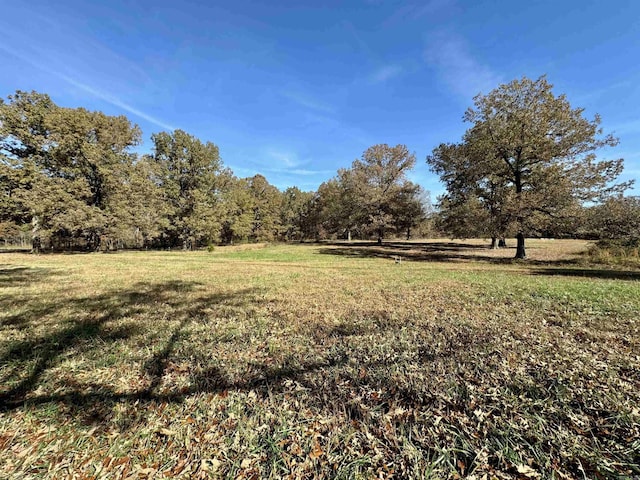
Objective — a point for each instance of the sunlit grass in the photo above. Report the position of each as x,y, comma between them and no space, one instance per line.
326,360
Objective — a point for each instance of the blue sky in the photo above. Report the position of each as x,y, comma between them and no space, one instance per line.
296,90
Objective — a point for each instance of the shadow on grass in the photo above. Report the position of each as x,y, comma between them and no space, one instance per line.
15,250
446,369
589,273
93,328
11,275
96,328
430,252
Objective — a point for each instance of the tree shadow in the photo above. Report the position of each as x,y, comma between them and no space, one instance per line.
15,250
431,252
26,363
95,325
589,273
11,275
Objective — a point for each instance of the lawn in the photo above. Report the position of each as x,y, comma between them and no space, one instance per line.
330,360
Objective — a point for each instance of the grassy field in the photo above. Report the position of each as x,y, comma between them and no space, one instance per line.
306,361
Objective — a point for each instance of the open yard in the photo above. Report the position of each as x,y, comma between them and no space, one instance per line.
330,360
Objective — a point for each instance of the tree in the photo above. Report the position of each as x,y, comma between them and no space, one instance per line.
409,207
238,206
537,149
476,204
340,211
372,197
295,210
378,179
65,166
189,171
139,211
266,205
616,219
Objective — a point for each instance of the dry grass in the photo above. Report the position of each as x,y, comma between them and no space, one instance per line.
310,361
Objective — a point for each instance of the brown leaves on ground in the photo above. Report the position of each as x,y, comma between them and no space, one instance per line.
285,362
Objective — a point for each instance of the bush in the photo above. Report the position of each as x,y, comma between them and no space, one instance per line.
617,252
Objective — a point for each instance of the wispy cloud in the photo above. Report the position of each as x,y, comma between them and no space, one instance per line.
284,158
594,95
385,73
339,129
416,11
307,101
362,45
449,55
284,177
100,94
114,101
305,172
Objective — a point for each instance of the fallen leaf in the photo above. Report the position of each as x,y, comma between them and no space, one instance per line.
316,451
527,471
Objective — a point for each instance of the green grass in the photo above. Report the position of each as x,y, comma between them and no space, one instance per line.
307,361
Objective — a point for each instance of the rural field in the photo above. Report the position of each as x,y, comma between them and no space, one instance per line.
323,360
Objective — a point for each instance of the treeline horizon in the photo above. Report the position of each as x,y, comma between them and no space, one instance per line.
70,179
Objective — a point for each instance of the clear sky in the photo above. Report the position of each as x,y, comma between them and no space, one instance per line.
296,90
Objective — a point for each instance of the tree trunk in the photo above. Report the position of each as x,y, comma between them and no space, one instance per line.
408,233
520,251
35,235
494,243
502,243
349,235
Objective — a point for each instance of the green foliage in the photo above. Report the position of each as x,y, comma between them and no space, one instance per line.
238,209
266,204
617,218
529,158
69,176
61,167
373,196
188,175
295,214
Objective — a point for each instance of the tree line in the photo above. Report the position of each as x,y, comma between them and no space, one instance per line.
71,178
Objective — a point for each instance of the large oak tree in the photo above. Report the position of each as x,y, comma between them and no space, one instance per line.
537,149
61,168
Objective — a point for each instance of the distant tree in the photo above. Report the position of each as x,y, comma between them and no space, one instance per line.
409,207
617,218
461,217
266,208
188,175
537,149
372,197
340,211
476,204
238,208
139,210
378,179
295,209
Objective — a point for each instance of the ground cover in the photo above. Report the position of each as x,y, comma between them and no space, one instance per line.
329,360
